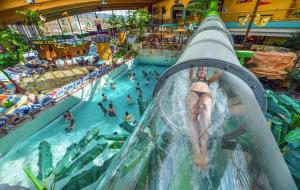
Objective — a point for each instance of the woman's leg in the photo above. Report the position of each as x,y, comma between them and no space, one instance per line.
193,111
205,109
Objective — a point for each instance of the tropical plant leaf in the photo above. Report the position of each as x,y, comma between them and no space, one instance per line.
115,137
276,129
272,96
127,127
293,136
288,101
45,160
87,177
276,121
75,150
295,121
116,145
82,161
34,180
278,109
141,181
292,158
136,156
14,45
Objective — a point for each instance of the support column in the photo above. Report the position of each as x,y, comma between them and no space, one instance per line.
62,33
80,28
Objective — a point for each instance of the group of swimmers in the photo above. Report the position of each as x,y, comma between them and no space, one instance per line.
110,111
147,75
150,73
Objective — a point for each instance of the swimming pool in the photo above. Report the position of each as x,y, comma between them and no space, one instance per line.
87,115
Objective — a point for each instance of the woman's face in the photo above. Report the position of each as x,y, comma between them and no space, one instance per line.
202,72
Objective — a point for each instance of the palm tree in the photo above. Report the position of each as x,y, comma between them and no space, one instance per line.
199,7
137,20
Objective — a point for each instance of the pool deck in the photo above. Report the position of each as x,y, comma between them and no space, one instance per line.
51,80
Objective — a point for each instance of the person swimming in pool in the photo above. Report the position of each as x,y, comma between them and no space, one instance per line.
113,85
199,105
128,117
111,110
138,87
129,99
147,82
69,117
132,77
104,110
140,93
104,98
145,73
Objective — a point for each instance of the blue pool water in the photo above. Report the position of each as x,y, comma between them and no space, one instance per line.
87,116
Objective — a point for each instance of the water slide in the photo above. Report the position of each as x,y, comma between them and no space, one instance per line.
242,153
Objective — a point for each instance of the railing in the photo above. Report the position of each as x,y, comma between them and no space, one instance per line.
276,15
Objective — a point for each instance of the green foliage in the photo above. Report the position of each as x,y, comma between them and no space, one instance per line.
142,105
72,163
127,127
297,14
293,136
31,17
294,76
117,21
45,160
114,137
74,151
285,119
14,46
116,145
87,177
82,161
122,49
199,8
133,53
136,21
35,181
293,42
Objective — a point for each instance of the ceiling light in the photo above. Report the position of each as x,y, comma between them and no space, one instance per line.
30,1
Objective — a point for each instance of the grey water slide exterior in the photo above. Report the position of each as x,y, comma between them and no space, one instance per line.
158,154
212,46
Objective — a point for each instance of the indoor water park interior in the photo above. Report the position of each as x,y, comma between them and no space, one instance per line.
149,95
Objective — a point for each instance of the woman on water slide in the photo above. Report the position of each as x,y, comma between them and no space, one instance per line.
199,105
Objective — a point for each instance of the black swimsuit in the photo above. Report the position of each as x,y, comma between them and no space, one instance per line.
198,92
